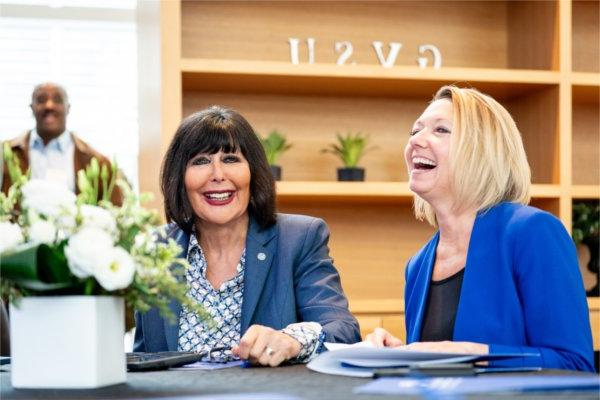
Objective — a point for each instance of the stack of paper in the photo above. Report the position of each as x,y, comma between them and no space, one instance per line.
361,360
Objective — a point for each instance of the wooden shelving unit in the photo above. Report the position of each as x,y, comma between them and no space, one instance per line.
392,192
540,59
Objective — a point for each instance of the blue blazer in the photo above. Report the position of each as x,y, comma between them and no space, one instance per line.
522,291
295,282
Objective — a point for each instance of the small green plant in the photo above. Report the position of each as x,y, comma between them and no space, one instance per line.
350,148
586,221
274,144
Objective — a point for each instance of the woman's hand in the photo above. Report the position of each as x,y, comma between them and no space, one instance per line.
265,346
382,338
449,347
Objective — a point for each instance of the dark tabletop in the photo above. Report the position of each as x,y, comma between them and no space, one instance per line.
294,380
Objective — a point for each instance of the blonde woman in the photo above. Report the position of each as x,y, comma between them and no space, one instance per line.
498,275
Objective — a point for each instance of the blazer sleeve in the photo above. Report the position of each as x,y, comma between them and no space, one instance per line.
319,294
552,296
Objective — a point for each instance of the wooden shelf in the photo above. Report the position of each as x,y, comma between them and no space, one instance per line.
585,192
362,80
585,78
379,306
542,191
344,190
392,191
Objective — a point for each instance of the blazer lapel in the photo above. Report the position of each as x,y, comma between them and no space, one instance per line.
421,289
172,330
260,251
21,144
477,275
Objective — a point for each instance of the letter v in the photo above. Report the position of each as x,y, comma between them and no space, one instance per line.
392,55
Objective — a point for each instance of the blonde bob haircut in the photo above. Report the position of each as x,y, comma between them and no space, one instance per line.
488,164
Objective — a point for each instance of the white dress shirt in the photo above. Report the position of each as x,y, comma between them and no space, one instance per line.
55,161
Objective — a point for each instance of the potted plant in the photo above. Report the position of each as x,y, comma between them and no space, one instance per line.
586,234
275,144
67,264
350,148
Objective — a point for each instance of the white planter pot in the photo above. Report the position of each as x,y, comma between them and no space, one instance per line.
67,342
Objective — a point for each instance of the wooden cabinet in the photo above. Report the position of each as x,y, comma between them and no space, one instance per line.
539,59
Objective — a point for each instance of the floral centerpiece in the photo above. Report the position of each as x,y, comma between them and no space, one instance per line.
72,248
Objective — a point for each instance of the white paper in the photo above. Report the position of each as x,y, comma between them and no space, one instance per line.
338,346
359,360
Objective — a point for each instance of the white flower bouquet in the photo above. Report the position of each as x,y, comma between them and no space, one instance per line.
53,243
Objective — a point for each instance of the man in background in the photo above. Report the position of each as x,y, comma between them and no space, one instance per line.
52,152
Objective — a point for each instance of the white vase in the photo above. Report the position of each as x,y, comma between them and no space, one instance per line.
67,342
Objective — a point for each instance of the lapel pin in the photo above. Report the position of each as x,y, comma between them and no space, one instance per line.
261,256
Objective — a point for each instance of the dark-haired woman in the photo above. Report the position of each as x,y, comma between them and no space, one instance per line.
266,278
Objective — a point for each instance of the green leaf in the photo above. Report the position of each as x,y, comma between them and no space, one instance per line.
36,267
274,145
43,287
53,264
20,263
350,148
586,221
104,179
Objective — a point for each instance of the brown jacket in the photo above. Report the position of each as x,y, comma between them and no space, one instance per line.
83,155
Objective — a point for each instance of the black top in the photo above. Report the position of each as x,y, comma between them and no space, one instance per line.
442,303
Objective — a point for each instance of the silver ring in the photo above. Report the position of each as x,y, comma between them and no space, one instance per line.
269,351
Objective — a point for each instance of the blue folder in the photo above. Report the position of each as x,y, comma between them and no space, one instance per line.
488,384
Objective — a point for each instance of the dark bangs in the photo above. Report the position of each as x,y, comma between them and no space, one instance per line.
209,137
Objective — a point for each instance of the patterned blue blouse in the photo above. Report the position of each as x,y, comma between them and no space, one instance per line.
225,307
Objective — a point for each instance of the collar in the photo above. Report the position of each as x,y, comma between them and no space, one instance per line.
62,142
259,234
256,233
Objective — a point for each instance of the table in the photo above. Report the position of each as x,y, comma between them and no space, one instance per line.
295,380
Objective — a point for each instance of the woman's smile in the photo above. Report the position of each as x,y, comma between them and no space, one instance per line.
219,197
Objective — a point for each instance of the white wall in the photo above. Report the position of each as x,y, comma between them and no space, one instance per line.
88,46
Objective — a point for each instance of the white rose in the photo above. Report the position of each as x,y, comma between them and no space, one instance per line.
118,272
42,231
47,198
10,236
98,217
87,249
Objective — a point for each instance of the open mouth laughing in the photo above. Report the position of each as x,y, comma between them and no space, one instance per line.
422,163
